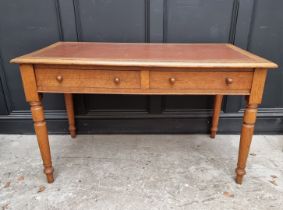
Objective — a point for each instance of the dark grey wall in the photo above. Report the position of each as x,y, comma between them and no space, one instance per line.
28,25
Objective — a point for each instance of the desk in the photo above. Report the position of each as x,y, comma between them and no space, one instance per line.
144,69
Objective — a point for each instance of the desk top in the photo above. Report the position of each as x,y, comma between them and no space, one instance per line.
146,55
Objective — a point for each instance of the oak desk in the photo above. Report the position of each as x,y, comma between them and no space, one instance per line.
147,69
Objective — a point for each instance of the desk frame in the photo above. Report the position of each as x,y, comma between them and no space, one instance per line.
33,96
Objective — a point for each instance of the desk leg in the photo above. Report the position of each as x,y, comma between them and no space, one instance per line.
245,140
42,138
253,100
70,112
34,99
216,112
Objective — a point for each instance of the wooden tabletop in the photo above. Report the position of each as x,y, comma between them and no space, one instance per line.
146,55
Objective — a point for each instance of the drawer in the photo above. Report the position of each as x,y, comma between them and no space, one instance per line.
201,80
86,78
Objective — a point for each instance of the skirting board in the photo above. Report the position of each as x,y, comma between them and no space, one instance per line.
172,125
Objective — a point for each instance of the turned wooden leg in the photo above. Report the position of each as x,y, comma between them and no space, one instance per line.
42,138
253,100
245,141
216,112
70,112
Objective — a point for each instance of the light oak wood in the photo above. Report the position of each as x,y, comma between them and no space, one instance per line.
145,69
87,78
144,79
201,80
42,138
253,101
34,99
216,113
125,91
68,79
245,140
70,113
29,82
258,86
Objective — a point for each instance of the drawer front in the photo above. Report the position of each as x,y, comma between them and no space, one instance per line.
76,78
201,80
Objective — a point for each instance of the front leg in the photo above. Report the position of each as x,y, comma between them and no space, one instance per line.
34,99
253,100
42,138
245,140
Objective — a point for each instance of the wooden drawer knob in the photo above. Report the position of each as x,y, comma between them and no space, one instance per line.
59,78
229,81
117,80
172,80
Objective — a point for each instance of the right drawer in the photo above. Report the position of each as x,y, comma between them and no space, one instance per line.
202,80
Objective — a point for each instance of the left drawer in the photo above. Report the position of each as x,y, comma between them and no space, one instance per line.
53,78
